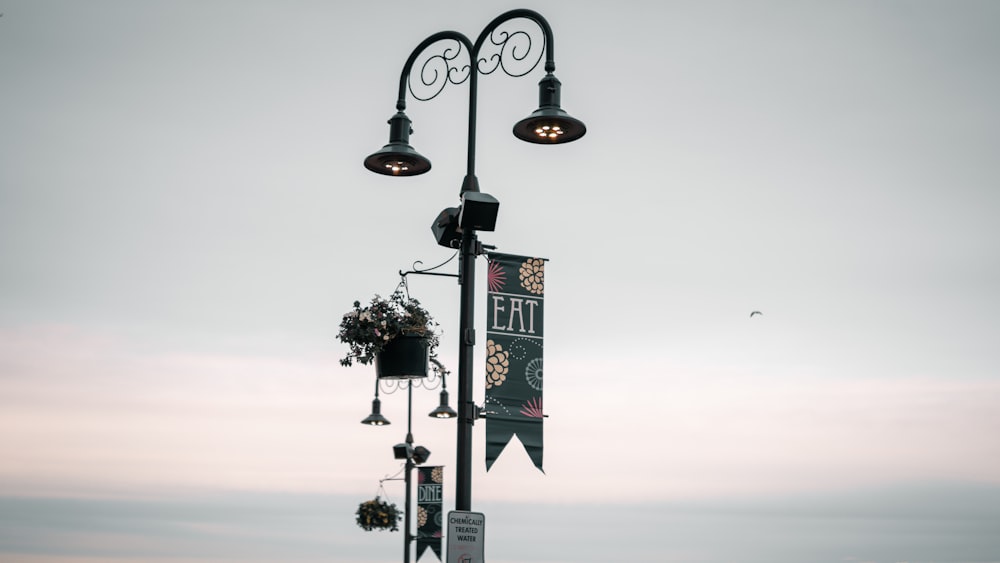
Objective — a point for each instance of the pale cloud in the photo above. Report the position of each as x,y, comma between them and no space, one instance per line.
86,412
82,411
698,432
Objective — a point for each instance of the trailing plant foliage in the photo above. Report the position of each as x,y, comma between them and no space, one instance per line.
378,514
366,330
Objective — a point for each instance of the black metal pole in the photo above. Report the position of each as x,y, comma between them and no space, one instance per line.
407,538
466,406
467,310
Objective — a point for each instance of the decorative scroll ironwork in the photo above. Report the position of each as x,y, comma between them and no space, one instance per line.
511,51
431,382
427,271
438,70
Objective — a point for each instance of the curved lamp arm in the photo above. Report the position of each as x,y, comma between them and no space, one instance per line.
548,46
404,77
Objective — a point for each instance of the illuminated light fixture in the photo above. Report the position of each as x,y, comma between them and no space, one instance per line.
443,410
549,131
398,158
376,418
549,124
397,167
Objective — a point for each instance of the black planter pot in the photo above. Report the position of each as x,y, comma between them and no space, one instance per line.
404,357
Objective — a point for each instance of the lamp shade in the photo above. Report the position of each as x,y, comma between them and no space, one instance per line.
398,158
549,124
443,410
376,418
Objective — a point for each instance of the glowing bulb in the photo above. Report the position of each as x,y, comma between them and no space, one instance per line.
397,166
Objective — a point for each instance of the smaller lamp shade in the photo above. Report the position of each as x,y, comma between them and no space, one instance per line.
398,158
549,124
376,418
443,410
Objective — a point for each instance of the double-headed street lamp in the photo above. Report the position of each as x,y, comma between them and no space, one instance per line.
549,124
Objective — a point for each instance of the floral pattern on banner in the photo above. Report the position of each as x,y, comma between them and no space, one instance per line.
497,364
532,274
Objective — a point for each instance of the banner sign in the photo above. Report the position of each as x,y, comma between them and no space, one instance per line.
429,515
514,331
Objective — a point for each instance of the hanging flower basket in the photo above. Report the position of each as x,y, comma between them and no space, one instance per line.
404,357
378,514
395,333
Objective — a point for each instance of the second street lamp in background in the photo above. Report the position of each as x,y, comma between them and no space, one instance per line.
443,410
413,455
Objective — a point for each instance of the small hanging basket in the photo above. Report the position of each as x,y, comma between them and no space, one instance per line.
379,515
403,357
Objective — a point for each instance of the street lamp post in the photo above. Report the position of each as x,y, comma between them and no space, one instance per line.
413,455
549,124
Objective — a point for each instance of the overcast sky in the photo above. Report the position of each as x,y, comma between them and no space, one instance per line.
184,218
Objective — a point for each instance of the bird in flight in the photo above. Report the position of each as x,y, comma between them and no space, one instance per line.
755,313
